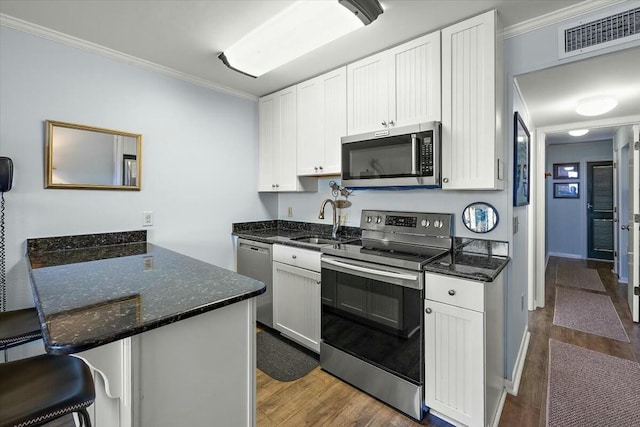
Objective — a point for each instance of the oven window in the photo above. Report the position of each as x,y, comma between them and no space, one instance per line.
378,322
380,158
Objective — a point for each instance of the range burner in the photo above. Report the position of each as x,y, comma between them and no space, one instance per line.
399,239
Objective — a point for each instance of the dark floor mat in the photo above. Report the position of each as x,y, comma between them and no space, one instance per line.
282,359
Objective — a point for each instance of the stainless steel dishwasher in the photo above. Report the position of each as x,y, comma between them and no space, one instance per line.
255,261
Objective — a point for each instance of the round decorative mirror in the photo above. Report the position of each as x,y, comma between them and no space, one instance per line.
480,217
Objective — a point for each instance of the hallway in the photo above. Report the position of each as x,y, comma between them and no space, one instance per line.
529,407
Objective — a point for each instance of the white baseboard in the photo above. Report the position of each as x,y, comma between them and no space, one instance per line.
563,255
513,385
496,419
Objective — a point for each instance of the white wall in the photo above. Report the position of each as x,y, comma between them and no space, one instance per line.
199,150
306,206
567,218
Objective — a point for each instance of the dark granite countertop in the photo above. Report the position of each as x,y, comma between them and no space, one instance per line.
473,259
92,296
282,232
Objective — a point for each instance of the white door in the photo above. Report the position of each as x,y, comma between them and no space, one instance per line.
634,224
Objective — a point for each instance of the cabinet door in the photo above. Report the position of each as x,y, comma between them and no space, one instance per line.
454,362
268,112
414,79
367,94
469,104
296,304
310,126
287,173
334,96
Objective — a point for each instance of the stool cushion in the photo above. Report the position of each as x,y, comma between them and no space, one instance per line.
42,388
19,327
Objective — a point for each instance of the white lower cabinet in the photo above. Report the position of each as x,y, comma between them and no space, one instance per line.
464,349
296,295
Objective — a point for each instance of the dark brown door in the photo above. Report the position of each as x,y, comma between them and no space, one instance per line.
600,210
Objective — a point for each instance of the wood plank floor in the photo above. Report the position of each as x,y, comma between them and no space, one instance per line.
319,399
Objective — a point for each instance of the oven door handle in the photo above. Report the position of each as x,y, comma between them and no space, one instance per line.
375,271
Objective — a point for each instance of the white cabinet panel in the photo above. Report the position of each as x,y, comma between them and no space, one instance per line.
471,105
296,304
454,371
415,91
367,96
322,121
396,87
278,143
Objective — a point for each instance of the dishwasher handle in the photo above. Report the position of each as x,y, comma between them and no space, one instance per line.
258,249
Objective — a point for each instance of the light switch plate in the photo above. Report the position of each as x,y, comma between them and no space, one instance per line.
147,219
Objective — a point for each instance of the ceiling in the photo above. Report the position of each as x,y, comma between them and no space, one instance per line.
551,95
187,36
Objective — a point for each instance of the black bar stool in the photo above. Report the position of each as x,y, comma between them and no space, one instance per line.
43,388
19,327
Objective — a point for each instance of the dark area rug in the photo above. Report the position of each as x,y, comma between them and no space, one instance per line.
281,359
588,389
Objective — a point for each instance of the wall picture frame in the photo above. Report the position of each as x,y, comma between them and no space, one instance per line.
566,190
521,160
566,170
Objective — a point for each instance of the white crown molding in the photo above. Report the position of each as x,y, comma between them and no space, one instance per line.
56,36
558,16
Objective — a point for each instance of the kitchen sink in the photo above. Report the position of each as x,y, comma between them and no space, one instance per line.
315,240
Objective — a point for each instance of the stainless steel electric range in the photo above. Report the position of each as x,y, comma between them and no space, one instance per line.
372,298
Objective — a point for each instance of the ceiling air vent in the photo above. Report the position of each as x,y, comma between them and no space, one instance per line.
581,37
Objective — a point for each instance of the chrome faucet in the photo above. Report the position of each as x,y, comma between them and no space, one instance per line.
334,230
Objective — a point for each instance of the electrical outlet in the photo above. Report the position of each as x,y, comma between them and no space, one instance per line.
289,211
147,219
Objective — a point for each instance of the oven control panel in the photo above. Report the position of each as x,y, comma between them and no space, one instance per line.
422,223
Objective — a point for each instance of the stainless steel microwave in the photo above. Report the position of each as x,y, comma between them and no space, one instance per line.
407,156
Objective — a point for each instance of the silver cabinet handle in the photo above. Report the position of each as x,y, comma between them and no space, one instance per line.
589,206
384,123
452,292
427,310
445,180
294,256
391,123
624,227
277,185
315,168
320,167
273,186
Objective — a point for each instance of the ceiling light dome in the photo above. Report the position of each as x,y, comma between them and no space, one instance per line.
596,106
578,132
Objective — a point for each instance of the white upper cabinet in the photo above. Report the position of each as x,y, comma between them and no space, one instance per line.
396,87
278,138
322,121
472,89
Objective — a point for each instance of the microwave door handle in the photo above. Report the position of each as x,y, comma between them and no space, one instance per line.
371,270
414,154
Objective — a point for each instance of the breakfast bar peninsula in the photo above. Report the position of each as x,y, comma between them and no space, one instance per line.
170,339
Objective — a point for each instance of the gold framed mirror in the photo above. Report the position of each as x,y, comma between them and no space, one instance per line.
91,158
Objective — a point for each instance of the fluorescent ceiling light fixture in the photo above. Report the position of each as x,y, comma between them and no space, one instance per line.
596,106
578,132
299,29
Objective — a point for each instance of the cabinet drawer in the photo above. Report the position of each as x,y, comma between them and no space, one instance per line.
455,291
302,258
